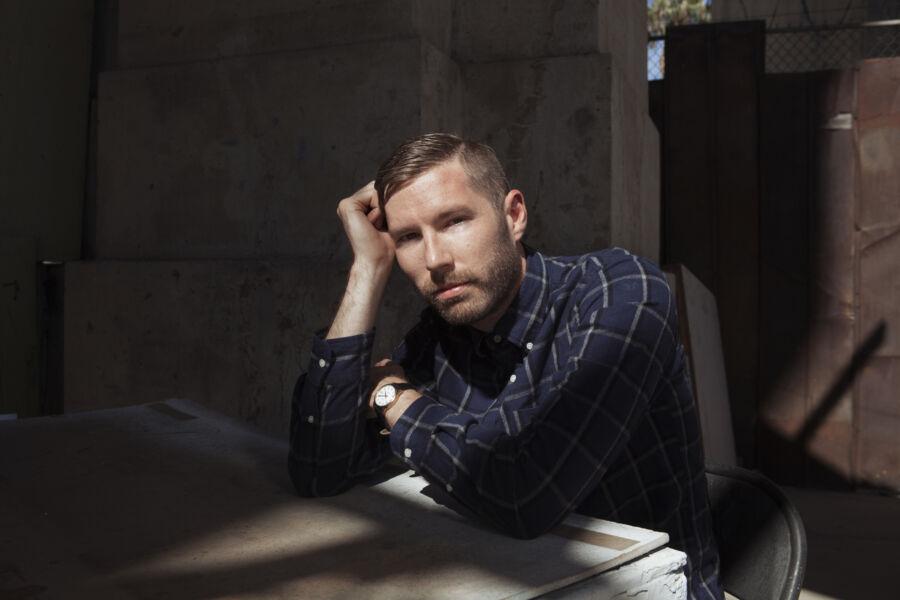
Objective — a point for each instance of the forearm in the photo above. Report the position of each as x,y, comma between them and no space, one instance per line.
362,299
331,442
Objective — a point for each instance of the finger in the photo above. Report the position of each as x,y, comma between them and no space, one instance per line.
376,218
383,362
367,194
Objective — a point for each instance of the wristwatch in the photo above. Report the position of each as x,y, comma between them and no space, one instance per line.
386,395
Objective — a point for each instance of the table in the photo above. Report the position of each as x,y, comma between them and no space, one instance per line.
172,500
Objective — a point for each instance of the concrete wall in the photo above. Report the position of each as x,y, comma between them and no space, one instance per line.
233,335
228,132
173,31
236,158
45,53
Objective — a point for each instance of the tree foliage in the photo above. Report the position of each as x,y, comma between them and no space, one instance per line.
661,13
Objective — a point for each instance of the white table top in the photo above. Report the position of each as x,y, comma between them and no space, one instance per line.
171,500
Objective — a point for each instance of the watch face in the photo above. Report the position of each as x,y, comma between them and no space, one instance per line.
385,395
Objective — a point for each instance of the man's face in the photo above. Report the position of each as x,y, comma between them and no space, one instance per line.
456,247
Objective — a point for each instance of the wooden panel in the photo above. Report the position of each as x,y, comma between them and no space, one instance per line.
740,49
712,188
784,245
688,152
784,263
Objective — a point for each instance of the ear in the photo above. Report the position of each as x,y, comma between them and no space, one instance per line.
515,213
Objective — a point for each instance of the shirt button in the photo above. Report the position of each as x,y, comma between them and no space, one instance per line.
449,488
529,345
498,339
322,363
512,378
407,453
310,419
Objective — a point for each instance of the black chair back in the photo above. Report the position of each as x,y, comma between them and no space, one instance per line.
762,543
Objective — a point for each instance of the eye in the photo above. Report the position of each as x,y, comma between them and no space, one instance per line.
456,221
406,238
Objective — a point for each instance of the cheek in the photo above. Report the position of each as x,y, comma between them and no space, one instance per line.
407,262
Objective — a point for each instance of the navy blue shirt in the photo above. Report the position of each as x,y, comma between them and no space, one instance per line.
578,400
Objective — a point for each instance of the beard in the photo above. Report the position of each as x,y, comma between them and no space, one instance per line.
486,293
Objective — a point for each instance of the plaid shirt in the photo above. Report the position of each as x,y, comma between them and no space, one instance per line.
578,400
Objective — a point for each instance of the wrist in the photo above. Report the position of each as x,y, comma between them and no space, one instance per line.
362,298
390,398
393,412
370,273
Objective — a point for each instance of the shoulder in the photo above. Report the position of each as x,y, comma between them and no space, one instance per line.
611,276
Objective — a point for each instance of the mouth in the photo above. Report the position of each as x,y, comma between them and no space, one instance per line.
445,292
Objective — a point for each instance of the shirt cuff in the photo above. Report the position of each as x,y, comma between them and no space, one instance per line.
413,436
340,360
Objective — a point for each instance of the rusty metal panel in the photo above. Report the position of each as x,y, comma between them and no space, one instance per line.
879,286
879,424
879,202
807,250
878,403
878,222
834,179
879,143
827,434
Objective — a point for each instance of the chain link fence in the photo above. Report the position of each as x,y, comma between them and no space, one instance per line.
796,50
656,57
802,49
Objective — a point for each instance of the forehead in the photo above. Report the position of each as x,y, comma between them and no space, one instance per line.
440,188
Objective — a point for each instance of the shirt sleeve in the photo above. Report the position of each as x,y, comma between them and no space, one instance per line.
532,459
332,443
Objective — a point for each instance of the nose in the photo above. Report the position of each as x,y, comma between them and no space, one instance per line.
438,259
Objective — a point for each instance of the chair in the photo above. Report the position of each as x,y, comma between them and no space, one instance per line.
761,539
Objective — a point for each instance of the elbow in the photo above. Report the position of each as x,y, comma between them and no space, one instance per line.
302,478
310,487
530,531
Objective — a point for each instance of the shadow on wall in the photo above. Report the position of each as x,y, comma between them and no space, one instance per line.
796,450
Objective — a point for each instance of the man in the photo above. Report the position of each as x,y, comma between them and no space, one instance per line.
531,387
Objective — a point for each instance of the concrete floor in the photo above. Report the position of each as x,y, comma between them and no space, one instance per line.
853,543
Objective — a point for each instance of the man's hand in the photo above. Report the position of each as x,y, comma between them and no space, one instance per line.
365,226
373,257
385,371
